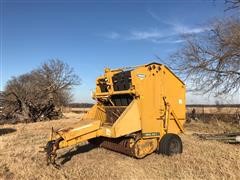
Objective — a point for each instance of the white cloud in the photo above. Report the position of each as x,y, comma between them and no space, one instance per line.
157,36
154,16
145,35
178,41
169,34
112,35
169,41
180,29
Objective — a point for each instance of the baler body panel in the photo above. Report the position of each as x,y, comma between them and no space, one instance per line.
129,121
152,85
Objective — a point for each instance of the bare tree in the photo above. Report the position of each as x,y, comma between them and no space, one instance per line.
211,61
57,79
35,94
232,4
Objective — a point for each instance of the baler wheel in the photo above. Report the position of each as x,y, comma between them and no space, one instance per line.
170,144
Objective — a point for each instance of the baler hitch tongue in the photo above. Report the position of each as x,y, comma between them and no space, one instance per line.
51,152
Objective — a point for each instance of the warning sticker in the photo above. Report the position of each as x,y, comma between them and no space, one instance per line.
141,76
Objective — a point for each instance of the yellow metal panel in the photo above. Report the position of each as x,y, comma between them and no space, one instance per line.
147,85
77,140
129,121
83,127
153,83
107,131
91,113
95,113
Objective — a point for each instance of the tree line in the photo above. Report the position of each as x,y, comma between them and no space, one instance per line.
37,95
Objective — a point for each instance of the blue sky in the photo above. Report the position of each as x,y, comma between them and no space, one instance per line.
91,35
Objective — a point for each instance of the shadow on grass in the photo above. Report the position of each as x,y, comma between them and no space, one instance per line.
4,131
79,149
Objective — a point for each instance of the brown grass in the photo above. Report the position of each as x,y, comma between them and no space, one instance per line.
20,157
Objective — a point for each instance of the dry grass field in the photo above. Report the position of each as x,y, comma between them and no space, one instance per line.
20,157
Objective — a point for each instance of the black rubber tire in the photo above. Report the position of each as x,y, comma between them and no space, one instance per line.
170,144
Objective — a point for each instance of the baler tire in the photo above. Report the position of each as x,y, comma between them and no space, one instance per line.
170,144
